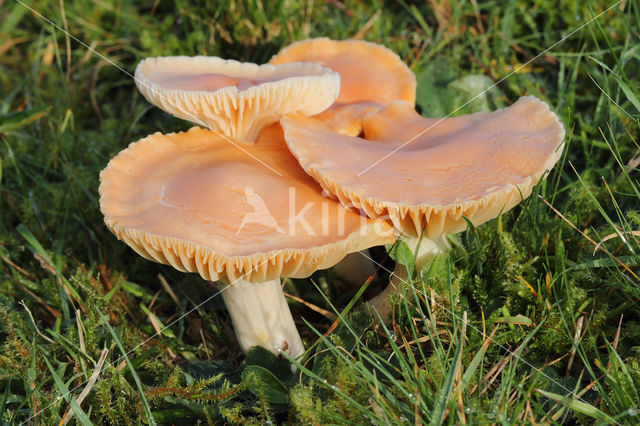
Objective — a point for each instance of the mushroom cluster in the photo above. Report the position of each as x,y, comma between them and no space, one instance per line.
304,160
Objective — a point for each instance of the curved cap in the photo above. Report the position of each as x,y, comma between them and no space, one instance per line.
369,72
346,119
200,204
476,165
238,99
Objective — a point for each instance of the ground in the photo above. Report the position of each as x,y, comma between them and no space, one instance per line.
533,317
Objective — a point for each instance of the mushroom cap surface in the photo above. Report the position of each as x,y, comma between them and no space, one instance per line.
196,202
235,98
369,72
346,119
428,173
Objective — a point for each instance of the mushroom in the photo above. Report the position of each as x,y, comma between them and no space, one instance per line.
371,76
427,175
235,98
243,217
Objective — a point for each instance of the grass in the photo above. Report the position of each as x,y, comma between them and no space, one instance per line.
532,318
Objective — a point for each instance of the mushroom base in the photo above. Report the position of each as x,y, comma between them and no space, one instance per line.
427,250
261,317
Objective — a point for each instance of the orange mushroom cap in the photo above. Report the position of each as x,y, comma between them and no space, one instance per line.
200,204
429,173
346,119
370,75
369,72
238,99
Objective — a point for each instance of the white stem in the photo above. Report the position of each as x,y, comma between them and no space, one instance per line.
382,302
355,268
261,317
428,249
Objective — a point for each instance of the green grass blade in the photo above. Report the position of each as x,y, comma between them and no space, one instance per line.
34,243
260,379
13,120
576,405
64,392
12,18
475,362
444,394
5,396
625,371
625,88
145,403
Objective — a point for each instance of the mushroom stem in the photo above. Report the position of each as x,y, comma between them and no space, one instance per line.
261,317
355,268
427,248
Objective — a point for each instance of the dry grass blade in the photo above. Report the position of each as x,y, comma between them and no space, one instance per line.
616,339
158,327
458,376
35,324
576,340
493,374
615,235
169,290
514,393
426,338
329,315
51,310
92,381
362,32
17,268
417,412
4,47
204,344
81,339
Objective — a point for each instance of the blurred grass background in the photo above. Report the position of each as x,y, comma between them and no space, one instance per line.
532,318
